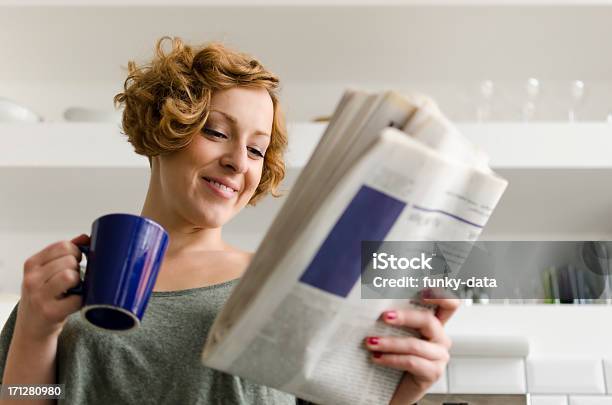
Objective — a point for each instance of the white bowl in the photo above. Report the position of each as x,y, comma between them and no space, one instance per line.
10,111
81,114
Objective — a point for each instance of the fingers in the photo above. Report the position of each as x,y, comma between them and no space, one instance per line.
424,361
46,275
69,304
61,281
445,302
33,277
415,365
52,252
57,310
36,278
53,305
61,305
419,319
406,345
59,265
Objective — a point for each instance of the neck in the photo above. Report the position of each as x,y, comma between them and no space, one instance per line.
184,237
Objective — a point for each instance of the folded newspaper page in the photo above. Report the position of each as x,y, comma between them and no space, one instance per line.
387,168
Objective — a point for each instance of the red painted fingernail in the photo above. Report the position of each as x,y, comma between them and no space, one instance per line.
373,340
390,315
377,355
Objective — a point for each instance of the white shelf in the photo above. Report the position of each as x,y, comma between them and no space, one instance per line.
101,145
509,145
548,145
59,176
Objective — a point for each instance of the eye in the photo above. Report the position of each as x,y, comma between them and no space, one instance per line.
214,133
256,152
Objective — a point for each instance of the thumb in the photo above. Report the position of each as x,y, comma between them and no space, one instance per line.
82,238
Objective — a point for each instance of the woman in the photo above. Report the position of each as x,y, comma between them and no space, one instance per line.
210,123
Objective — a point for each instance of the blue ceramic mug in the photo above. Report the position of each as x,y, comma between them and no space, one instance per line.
123,259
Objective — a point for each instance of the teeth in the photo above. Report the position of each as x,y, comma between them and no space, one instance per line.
220,186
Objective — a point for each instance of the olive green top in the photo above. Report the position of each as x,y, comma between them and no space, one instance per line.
156,363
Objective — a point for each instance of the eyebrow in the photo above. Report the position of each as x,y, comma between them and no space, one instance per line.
234,121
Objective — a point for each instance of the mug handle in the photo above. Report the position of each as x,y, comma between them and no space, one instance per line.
78,290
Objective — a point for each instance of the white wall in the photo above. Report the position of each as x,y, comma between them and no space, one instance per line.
62,56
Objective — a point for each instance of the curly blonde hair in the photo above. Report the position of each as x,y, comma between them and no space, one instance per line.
167,101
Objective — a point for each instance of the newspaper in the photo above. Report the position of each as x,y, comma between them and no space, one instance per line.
387,168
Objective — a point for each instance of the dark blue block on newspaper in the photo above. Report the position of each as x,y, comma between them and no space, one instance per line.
337,265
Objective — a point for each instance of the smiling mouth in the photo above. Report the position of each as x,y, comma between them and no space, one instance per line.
218,185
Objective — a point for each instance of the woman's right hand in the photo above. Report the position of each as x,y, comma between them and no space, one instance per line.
43,307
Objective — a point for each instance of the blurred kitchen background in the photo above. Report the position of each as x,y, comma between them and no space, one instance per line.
530,81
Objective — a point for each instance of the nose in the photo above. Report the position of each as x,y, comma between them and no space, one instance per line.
236,157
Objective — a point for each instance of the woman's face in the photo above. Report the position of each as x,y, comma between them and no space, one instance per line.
212,179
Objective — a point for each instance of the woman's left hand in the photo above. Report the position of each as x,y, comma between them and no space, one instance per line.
423,359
